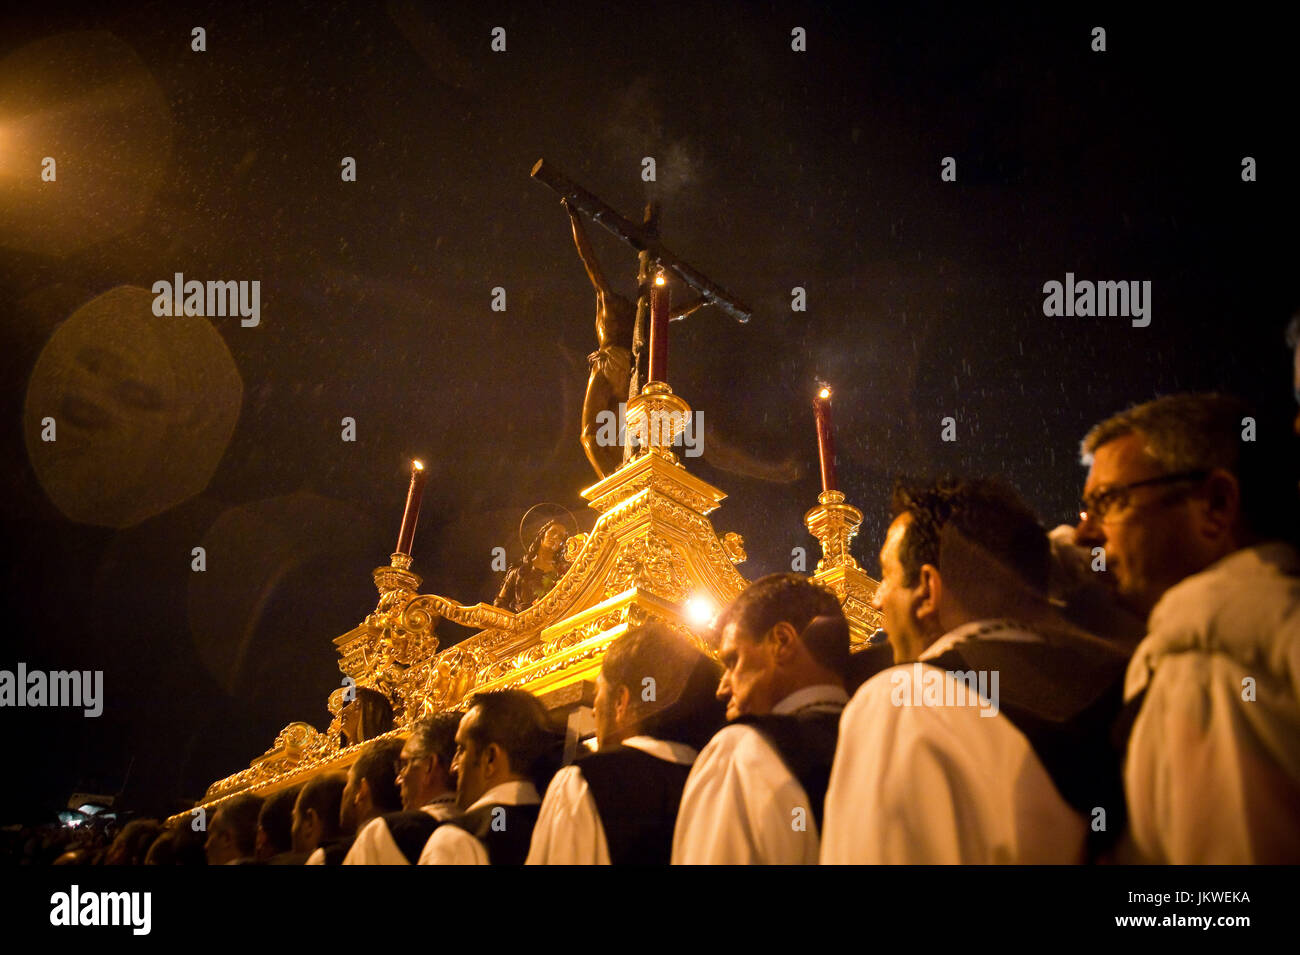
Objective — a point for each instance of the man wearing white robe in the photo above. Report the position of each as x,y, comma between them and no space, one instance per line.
1183,501
569,829
452,845
498,743
930,769
375,844
653,693
316,817
742,804
369,792
427,785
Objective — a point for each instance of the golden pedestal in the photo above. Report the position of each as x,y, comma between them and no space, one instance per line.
652,553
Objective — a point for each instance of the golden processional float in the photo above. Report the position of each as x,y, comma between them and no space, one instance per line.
652,556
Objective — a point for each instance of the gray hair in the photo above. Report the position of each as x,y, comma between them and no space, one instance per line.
436,736
1193,432
1202,432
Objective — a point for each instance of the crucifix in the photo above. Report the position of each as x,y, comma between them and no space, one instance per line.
618,367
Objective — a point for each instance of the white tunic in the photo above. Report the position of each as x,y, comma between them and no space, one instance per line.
941,783
374,844
1213,769
569,830
741,805
452,845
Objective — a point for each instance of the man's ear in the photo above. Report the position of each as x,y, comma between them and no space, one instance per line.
432,766
498,764
362,797
785,639
928,595
622,704
1219,505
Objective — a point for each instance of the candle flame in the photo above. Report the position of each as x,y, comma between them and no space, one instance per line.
824,393
659,279
417,465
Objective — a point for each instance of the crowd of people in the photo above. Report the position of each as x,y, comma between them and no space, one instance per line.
1126,690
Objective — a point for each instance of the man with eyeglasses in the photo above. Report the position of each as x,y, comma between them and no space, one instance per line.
428,787
1188,497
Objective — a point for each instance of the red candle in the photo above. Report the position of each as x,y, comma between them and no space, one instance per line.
825,439
412,512
658,329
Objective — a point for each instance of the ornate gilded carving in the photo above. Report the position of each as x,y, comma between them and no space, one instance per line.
335,705
419,613
834,524
734,547
650,564
296,744
656,418
573,546
441,683
657,472
855,591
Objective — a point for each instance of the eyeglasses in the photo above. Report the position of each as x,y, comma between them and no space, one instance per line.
1095,506
402,765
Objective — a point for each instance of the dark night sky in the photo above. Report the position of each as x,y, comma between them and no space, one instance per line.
776,169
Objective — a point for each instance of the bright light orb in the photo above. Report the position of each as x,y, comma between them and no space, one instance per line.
699,610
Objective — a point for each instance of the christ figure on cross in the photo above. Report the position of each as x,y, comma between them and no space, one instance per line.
611,363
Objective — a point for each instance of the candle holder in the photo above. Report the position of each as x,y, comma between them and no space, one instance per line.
834,524
396,578
658,417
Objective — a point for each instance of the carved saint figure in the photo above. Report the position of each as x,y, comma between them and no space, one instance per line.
367,716
540,570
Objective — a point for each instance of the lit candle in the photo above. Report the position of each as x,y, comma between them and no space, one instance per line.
659,329
412,512
825,439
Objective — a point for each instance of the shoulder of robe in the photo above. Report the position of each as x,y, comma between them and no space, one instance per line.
742,745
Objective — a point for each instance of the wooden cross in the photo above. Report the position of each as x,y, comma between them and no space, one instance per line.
652,254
